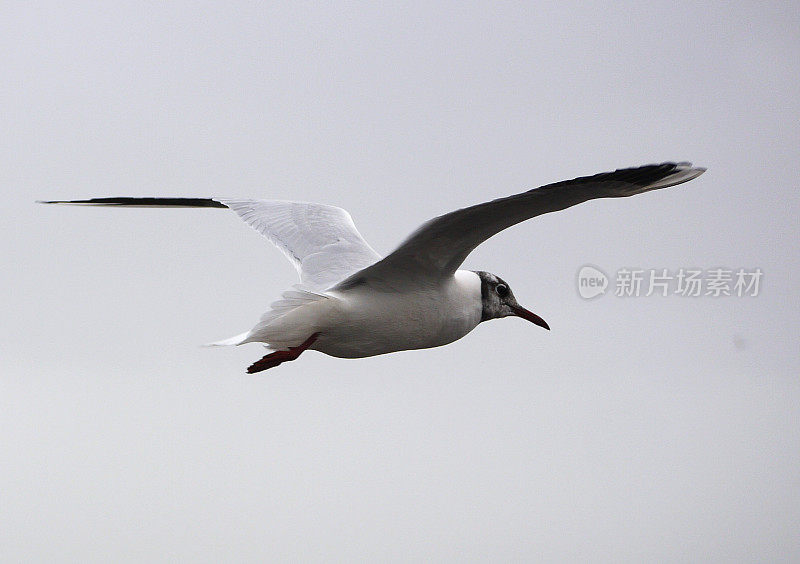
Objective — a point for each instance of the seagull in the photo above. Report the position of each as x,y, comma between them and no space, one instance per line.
351,303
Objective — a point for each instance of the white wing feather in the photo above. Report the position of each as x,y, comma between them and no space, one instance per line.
320,240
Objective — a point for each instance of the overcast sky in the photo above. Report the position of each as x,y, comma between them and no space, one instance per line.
638,429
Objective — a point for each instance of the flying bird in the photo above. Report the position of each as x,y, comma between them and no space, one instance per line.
351,303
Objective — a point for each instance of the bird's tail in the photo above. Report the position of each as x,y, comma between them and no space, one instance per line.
235,340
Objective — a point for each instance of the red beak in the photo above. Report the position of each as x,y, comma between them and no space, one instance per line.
520,311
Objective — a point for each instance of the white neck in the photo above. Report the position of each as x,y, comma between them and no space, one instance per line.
470,284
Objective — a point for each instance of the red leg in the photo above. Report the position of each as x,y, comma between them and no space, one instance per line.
274,359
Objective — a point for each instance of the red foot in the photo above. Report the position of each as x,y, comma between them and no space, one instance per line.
274,359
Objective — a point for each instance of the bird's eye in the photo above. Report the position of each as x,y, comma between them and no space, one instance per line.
502,290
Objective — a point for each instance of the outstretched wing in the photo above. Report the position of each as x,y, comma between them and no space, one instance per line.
439,247
321,241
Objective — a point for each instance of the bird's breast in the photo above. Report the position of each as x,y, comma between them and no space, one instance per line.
365,322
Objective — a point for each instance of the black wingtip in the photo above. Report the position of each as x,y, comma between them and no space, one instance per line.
127,201
640,175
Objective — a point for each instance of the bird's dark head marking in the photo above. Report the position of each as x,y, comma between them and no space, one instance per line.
498,300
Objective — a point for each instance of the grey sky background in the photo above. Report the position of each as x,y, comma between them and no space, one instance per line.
640,429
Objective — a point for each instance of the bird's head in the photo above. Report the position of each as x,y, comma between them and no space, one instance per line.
498,301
